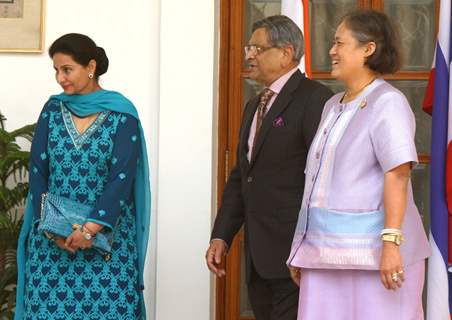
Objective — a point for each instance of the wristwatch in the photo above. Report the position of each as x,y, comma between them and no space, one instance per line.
393,237
86,235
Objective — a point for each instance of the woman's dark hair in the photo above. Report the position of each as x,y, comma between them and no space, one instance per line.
370,25
82,49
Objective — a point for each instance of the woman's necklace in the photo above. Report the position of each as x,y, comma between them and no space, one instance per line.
349,96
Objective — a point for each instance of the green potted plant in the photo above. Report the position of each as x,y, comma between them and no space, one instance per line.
13,192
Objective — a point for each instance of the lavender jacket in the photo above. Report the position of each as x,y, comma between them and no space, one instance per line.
342,211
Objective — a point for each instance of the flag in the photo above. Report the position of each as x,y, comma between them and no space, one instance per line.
438,104
297,10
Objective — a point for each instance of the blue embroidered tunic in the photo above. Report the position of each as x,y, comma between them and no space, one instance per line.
97,168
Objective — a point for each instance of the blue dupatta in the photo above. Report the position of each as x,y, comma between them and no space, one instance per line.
84,105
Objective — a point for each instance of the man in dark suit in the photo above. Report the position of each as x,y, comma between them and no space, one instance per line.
265,188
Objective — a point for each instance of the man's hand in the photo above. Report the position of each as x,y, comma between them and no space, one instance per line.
214,254
295,274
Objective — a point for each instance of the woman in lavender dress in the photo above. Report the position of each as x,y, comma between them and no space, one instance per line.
359,247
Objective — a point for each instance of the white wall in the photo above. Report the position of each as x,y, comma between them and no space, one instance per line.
185,159
162,57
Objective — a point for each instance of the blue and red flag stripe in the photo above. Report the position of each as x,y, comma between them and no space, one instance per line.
437,103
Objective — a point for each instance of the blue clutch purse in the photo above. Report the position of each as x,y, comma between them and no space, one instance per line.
61,216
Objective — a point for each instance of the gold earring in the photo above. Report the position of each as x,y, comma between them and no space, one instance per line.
90,75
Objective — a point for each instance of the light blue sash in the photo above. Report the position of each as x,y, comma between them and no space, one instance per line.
342,240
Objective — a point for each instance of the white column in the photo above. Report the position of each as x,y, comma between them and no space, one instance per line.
186,154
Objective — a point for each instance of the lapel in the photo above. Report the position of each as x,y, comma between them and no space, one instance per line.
247,121
279,105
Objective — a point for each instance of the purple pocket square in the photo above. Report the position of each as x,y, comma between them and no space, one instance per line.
278,122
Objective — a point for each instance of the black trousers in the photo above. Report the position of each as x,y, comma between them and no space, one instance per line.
272,299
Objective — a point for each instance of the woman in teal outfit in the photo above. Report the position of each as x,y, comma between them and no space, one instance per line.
88,147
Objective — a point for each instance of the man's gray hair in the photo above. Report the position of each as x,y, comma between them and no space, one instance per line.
283,31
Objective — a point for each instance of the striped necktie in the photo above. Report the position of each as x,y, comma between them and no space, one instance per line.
265,97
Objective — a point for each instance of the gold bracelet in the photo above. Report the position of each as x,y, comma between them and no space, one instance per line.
49,236
393,237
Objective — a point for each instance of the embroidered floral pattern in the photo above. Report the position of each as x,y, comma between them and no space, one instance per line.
60,285
77,138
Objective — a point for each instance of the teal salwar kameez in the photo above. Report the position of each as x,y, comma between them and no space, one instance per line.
105,167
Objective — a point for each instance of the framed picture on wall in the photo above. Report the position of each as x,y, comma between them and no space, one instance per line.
21,25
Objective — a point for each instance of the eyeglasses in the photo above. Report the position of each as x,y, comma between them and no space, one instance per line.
256,50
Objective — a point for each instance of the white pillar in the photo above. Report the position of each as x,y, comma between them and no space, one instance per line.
186,156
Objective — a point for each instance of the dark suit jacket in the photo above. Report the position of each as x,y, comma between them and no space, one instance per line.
265,195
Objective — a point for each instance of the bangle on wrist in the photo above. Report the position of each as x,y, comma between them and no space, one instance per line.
49,236
391,231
